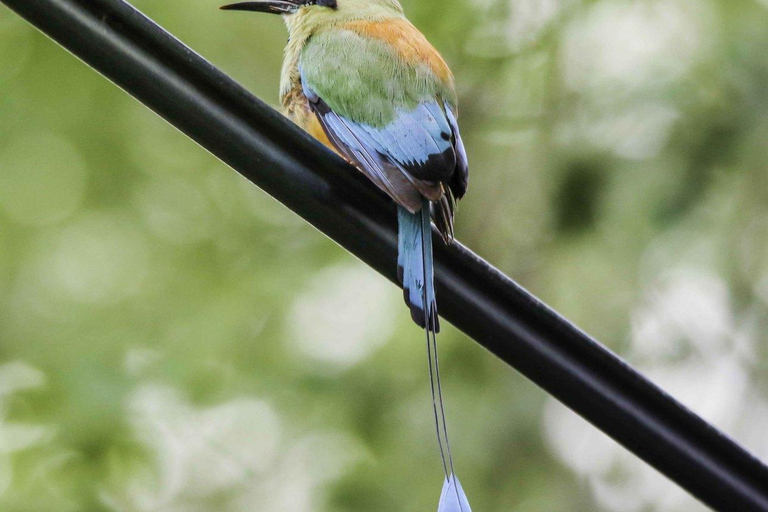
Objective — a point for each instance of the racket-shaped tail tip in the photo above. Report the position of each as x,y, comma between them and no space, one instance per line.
452,498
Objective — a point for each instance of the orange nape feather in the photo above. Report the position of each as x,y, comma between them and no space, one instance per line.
407,41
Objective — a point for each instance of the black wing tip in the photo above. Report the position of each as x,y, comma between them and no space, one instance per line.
437,167
459,184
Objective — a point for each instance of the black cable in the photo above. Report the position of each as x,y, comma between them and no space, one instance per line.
259,143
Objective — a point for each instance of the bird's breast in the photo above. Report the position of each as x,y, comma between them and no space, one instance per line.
295,103
297,108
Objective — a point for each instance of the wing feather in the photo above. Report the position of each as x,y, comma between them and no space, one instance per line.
405,139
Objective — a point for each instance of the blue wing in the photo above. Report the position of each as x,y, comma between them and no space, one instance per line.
418,154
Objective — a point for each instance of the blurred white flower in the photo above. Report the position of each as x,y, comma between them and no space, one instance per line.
202,451
686,339
19,376
635,44
236,451
529,17
100,259
621,58
345,315
15,437
16,377
524,24
303,470
638,132
139,359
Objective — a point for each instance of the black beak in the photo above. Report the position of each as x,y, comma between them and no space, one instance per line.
270,6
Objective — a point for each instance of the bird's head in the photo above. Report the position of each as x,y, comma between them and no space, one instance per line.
322,12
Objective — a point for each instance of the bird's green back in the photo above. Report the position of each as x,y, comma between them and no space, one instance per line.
364,79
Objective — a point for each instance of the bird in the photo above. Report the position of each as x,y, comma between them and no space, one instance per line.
364,81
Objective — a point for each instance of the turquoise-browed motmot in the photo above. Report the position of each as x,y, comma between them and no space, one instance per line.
362,79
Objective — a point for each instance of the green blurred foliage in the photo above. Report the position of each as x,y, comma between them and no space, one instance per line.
172,339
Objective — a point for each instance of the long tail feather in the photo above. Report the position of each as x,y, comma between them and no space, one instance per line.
416,272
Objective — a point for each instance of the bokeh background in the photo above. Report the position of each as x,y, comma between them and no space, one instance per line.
172,339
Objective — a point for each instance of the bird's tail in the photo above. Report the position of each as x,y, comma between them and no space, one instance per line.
414,265
416,271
